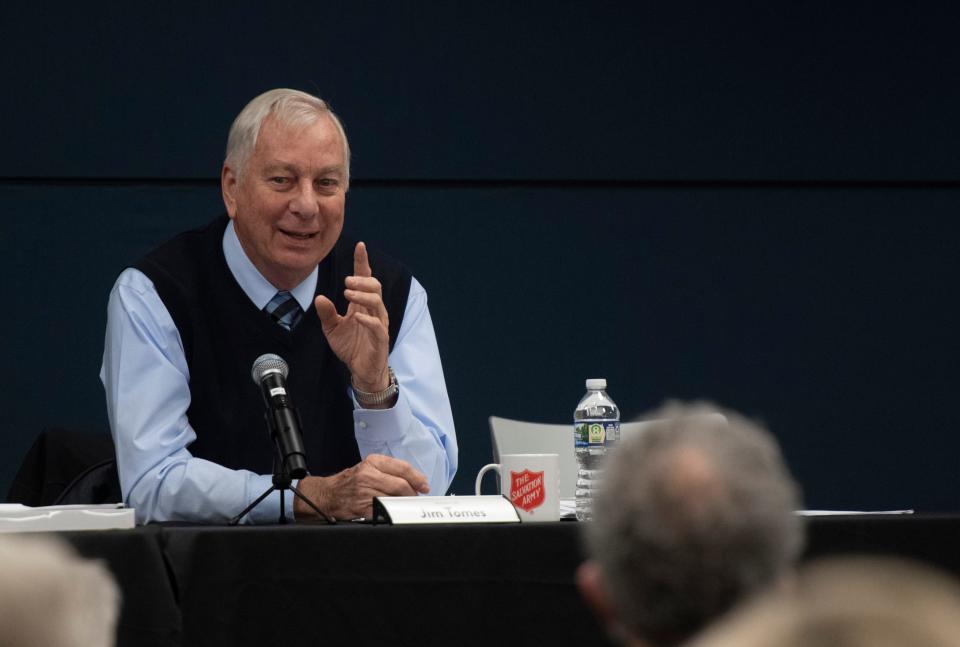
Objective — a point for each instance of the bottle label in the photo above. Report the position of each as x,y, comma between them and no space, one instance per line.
596,432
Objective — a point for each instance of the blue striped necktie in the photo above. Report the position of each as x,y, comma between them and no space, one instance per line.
284,309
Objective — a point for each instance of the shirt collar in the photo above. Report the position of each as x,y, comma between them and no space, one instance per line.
252,282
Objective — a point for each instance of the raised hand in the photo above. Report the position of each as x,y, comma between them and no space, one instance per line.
360,337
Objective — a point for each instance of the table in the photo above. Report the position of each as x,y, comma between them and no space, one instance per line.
150,614
415,585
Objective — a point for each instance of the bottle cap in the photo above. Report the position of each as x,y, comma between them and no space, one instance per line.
597,383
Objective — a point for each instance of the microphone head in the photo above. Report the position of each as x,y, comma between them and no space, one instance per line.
268,363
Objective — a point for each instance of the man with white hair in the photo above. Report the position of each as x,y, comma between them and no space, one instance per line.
694,516
274,275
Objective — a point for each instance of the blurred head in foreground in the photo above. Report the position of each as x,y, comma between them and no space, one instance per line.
695,515
51,597
850,602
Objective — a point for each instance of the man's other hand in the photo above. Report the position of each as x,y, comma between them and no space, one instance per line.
349,494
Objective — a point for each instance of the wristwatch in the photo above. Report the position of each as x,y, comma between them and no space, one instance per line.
378,398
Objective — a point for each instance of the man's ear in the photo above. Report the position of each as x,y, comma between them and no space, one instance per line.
228,188
590,584
594,591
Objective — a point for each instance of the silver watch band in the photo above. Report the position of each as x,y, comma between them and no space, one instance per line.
368,399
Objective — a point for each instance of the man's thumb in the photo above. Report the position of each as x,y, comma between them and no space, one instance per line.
326,311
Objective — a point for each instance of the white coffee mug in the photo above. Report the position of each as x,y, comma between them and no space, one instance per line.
531,482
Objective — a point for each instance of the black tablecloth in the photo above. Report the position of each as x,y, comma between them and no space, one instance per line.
150,615
931,538
414,585
379,585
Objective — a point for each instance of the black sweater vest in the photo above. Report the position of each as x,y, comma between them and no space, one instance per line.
223,332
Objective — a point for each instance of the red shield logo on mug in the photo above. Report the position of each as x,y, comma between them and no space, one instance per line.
526,489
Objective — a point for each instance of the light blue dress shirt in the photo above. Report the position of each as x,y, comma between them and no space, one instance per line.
146,379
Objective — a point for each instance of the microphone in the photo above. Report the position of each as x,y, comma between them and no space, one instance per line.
270,373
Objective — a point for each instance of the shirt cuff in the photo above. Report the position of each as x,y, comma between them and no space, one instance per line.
376,426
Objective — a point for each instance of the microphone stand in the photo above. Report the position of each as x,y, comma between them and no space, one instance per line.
281,482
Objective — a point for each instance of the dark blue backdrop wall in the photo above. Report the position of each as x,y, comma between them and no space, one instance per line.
749,203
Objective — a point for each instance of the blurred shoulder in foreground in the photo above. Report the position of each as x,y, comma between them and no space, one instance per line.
850,602
50,597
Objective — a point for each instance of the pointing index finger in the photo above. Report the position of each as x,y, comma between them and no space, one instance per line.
361,262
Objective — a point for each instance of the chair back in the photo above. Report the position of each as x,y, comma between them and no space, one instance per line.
64,466
519,437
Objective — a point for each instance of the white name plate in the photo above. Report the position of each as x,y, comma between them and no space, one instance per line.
443,509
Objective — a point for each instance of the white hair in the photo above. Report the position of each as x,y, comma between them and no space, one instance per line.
49,596
290,108
694,515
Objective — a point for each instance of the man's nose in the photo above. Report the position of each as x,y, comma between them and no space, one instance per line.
304,203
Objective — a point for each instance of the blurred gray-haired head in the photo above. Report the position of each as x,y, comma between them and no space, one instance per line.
49,596
289,108
850,602
694,515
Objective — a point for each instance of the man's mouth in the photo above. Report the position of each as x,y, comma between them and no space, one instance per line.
298,235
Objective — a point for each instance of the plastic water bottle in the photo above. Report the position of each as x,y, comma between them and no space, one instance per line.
596,428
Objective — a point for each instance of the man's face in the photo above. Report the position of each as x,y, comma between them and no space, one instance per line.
287,206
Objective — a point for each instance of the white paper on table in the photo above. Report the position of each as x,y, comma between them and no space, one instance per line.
15,508
15,517
828,513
